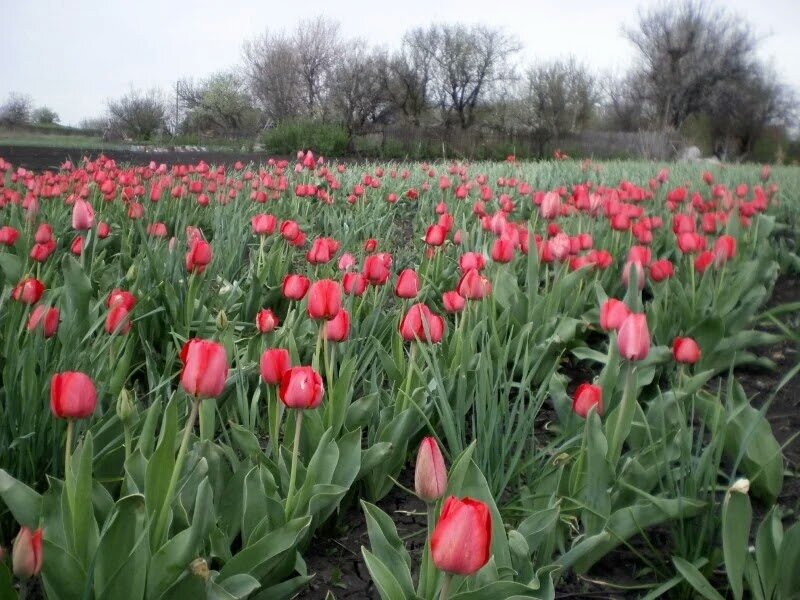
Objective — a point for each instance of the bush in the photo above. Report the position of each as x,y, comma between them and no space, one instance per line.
291,136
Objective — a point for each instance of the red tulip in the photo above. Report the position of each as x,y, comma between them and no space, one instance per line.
41,252
453,301
377,268
119,297
346,262
472,260
27,556
8,236
82,215
290,230
407,284
430,473
44,233
301,387
370,246
354,284
613,313
199,256
435,235
72,395
266,320
77,246
587,396
703,261
338,328
205,368
661,270
264,224
46,317
685,350
324,299
118,320
633,340
103,230
295,286
274,363
503,250
474,286
462,540
419,323
157,230
640,276
724,249
28,291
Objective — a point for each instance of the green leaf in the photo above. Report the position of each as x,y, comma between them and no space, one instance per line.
159,471
737,515
24,503
388,547
240,586
258,558
85,532
6,586
789,563
499,589
383,578
123,552
768,544
695,578
63,575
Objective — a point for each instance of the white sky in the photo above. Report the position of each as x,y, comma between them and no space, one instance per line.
75,55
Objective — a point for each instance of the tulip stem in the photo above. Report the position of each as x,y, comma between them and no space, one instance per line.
445,591
176,472
624,416
429,580
68,449
298,424
409,377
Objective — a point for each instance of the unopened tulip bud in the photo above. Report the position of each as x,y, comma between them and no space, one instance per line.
222,320
430,474
132,273
126,407
26,556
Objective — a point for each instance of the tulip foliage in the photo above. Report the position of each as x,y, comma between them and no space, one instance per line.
205,368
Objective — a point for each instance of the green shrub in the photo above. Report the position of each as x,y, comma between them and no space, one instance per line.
291,136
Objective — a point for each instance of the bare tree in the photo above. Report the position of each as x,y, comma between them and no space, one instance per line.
407,76
686,50
357,94
289,74
623,104
272,70
16,110
44,116
220,104
467,62
556,99
138,114
740,112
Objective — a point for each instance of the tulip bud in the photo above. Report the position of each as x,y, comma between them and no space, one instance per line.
587,396
222,320
634,337
26,556
613,313
132,273
205,368
301,387
126,407
274,363
430,473
686,350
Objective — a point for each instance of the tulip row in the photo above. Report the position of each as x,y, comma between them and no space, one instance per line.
229,354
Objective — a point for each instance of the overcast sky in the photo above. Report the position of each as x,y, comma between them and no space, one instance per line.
74,56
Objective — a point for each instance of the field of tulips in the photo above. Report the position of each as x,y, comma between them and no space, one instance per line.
211,375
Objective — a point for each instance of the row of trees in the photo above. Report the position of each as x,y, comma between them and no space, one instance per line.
18,110
694,63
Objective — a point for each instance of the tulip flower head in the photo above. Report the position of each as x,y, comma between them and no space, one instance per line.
587,396
266,320
430,473
324,299
633,340
613,313
205,368
686,350
72,395
274,363
27,556
461,543
301,387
